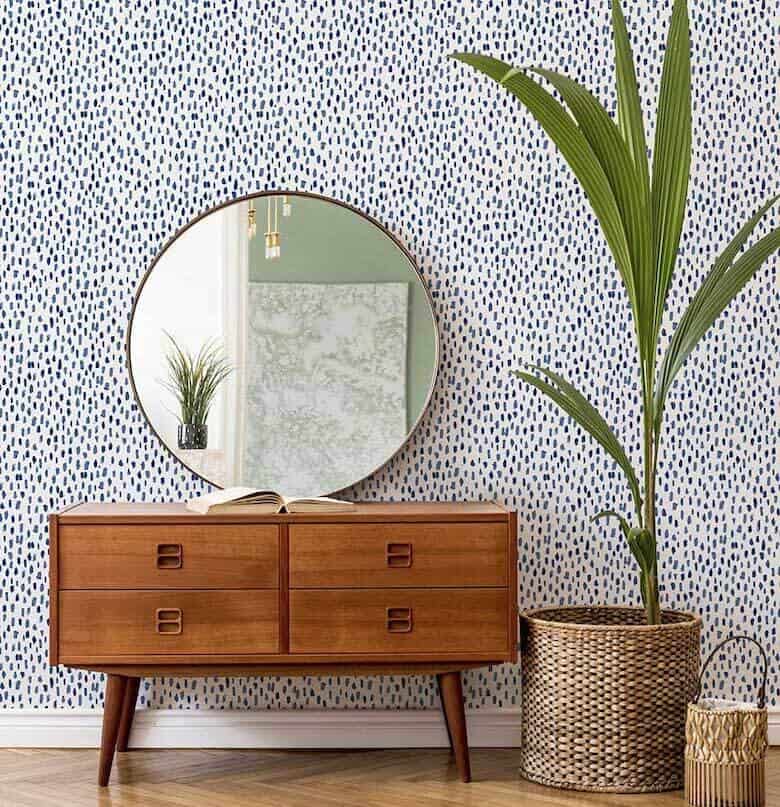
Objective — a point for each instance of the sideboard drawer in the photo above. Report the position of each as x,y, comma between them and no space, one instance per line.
399,621
94,623
124,556
368,555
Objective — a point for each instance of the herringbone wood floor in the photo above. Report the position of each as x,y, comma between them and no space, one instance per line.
415,778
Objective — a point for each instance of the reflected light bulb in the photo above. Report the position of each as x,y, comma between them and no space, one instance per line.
273,247
252,223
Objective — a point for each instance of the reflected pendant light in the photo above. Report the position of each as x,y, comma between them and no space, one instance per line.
252,220
273,245
286,207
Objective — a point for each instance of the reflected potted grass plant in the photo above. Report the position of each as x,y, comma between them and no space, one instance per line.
193,379
605,689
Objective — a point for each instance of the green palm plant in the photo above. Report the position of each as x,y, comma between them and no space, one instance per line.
641,215
193,379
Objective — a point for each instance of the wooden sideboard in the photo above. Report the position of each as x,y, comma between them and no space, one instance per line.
409,588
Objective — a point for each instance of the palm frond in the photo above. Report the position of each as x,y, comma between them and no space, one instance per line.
629,105
632,198
631,126
671,158
724,281
642,544
574,147
583,412
625,527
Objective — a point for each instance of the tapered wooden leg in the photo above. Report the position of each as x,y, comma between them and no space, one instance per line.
112,712
128,713
444,713
452,701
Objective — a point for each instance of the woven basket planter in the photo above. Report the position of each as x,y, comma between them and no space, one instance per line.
604,698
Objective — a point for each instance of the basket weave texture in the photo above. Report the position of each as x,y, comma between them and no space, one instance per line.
604,697
725,757
736,737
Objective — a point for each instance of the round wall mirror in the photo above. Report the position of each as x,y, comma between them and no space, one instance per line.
283,342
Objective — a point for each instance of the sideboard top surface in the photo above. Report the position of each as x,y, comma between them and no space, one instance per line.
108,512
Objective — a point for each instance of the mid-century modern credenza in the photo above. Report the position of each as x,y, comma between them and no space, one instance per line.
153,589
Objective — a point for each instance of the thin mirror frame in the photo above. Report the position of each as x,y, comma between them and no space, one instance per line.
302,194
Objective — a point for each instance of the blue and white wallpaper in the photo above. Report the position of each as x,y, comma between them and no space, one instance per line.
123,120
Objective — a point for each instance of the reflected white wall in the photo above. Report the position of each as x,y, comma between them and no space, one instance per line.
184,296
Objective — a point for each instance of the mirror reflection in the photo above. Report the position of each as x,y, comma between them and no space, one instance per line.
283,342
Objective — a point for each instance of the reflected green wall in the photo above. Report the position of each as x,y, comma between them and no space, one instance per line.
327,243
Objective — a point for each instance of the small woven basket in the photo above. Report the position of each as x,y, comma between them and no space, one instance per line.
725,746
604,697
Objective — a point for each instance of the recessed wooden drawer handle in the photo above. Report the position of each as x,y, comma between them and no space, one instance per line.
399,556
399,620
169,621
169,556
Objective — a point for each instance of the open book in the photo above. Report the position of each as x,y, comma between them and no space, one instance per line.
263,501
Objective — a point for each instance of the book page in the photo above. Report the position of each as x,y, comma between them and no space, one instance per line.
317,504
238,497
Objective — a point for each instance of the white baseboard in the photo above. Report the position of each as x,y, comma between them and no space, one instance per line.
158,728
356,728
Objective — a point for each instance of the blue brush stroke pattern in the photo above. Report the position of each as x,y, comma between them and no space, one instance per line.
122,121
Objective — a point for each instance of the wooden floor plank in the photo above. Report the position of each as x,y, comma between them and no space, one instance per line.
209,778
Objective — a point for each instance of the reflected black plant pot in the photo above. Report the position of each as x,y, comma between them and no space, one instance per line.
193,436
